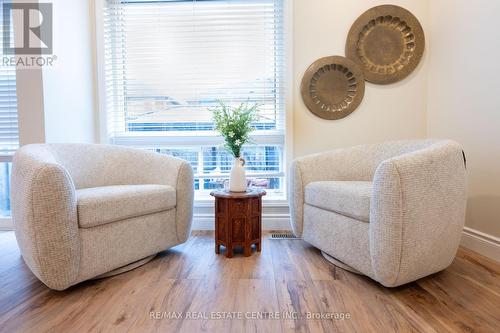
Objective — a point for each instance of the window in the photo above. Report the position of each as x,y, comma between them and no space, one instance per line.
5,171
167,62
9,137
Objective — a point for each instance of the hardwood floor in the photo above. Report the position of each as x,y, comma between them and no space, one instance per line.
288,278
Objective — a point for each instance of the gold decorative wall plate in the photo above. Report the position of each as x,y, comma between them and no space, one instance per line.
333,87
387,42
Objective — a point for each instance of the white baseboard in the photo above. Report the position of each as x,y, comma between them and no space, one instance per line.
275,216
6,224
482,243
269,222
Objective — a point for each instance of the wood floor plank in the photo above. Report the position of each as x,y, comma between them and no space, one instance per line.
478,270
289,278
296,298
373,303
471,308
313,264
284,264
214,297
478,260
258,302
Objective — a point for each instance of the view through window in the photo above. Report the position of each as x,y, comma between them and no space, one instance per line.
168,62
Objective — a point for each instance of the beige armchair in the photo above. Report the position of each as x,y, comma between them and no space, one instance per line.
81,210
392,211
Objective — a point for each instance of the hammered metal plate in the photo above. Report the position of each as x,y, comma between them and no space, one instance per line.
387,42
333,87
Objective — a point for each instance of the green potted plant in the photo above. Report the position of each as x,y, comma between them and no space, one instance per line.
235,126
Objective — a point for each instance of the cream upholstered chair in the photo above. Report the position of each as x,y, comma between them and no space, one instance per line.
82,210
392,211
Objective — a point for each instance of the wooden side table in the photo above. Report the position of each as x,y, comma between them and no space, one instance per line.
238,220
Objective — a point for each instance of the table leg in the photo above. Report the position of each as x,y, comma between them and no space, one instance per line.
229,251
217,248
247,250
258,246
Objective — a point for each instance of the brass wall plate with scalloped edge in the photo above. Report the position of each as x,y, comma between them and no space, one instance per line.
333,87
387,42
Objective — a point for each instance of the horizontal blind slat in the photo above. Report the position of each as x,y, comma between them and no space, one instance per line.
179,55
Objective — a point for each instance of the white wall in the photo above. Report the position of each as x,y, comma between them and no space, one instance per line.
58,104
396,111
464,97
30,106
68,86
29,90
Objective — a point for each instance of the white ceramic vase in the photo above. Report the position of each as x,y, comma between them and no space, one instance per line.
237,178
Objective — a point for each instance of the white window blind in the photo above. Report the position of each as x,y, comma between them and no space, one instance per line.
167,62
9,137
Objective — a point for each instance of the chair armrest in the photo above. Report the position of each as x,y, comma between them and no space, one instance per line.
185,199
145,167
342,164
417,213
45,217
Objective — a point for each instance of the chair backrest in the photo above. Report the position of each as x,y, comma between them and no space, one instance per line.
358,162
92,165
371,155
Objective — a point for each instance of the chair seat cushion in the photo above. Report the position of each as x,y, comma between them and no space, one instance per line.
348,198
106,204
